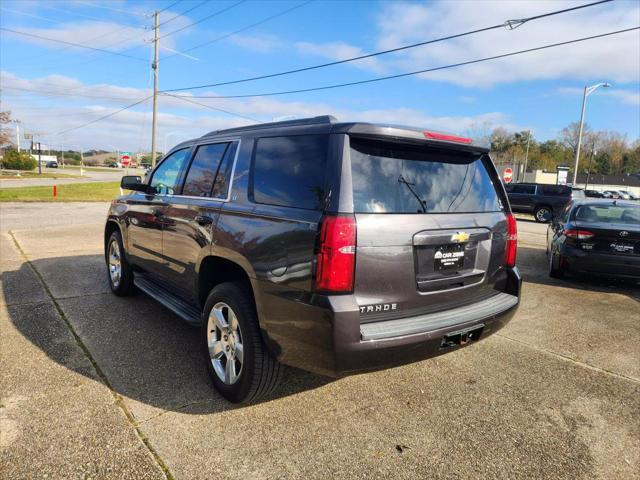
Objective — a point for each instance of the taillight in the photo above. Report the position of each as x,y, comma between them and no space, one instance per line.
336,260
512,241
447,137
578,234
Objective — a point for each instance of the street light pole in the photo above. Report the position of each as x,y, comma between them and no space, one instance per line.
587,91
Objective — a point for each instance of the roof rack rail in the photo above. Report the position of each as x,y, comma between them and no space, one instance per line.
285,123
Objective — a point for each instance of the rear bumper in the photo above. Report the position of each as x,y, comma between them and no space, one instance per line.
383,344
336,343
610,265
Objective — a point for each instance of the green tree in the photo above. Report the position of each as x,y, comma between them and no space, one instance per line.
14,160
603,163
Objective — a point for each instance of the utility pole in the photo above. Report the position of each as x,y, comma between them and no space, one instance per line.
39,158
526,157
154,66
17,122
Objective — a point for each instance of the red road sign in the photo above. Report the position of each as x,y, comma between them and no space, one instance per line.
507,175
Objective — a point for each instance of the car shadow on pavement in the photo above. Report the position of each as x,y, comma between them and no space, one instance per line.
533,264
146,352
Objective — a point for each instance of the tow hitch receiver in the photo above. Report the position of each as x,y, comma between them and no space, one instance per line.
462,337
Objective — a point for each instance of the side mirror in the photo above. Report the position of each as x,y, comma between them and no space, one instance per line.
134,182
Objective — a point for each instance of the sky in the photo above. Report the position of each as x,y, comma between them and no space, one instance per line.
53,87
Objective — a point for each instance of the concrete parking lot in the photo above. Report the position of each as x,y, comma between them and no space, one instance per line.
95,386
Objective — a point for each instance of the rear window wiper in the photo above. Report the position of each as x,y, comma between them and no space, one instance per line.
410,186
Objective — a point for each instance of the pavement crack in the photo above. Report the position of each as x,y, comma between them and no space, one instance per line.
174,409
119,400
569,359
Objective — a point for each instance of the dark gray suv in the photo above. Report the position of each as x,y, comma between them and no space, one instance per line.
332,247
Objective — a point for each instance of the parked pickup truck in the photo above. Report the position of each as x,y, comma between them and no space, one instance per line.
543,201
332,247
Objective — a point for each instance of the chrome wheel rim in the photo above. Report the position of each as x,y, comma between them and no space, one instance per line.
543,215
224,340
115,263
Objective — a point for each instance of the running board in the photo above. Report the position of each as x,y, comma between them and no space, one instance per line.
184,310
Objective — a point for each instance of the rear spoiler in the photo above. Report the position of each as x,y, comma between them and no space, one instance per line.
401,133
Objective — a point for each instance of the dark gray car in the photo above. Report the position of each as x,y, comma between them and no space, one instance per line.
332,247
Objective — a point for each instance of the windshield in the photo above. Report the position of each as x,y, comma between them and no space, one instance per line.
608,214
390,177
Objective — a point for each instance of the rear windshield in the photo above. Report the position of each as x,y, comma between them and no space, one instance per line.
608,214
397,178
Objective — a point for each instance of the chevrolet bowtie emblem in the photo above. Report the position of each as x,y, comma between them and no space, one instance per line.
460,237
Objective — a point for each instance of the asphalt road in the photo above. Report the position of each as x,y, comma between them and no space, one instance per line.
90,175
95,386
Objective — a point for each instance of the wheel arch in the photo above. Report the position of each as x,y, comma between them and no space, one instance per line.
214,270
111,226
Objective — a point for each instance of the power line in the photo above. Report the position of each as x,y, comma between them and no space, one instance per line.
170,6
181,14
29,15
63,94
72,44
119,10
104,116
213,108
215,14
509,23
227,35
401,75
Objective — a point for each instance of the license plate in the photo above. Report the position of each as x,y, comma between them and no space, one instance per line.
622,247
448,257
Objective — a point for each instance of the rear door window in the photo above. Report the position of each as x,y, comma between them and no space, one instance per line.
524,189
290,171
203,170
390,177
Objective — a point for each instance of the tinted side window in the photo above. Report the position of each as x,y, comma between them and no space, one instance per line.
290,171
555,190
223,179
203,169
165,177
526,189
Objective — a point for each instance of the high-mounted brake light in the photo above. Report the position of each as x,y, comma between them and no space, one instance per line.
336,259
578,234
512,241
447,137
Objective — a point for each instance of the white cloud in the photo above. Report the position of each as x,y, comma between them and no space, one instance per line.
615,57
256,43
628,97
180,120
401,23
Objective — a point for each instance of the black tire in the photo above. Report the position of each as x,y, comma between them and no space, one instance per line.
124,286
260,372
553,271
543,214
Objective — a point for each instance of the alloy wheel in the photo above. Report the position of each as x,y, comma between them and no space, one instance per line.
224,340
543,215
115,263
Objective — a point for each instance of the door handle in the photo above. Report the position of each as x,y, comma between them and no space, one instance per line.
203,220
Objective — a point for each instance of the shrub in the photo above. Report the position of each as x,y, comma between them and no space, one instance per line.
14,160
